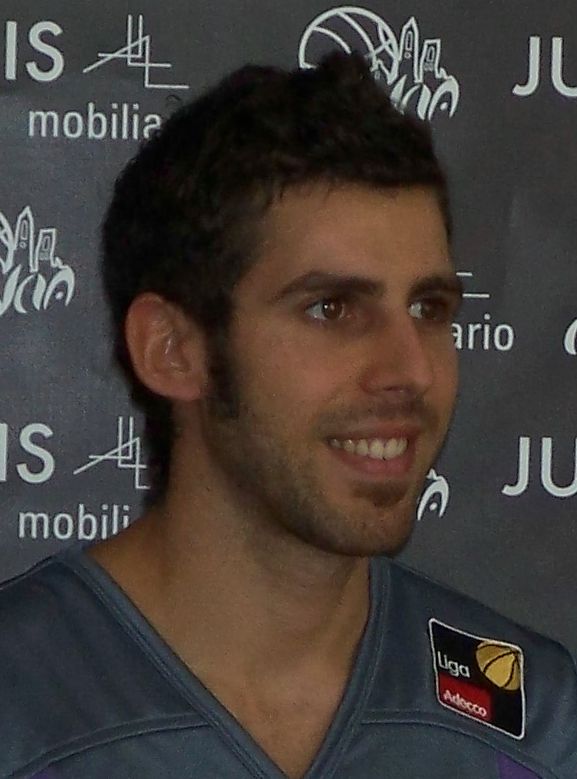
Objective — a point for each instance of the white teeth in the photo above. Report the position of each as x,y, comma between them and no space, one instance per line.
395,447
362,447
375,448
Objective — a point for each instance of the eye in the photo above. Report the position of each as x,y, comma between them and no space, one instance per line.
328,310
434,309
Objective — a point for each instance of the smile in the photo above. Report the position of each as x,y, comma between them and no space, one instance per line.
373,448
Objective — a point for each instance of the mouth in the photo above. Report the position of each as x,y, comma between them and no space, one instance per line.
374,448
376,456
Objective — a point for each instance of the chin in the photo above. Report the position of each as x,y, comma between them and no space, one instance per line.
366,538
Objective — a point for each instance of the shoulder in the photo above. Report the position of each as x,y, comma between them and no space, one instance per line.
441,604
460,665
46,610
36,642
33,603
68,664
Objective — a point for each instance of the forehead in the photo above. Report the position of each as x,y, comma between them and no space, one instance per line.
382,234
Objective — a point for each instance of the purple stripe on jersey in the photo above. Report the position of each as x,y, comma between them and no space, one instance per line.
509,769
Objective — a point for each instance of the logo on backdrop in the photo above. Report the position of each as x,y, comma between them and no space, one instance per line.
570,339
28,452
126,454
435,496
535,61
410,67
482,334
30,442
118,119
38,39
80,523
136,52
32,276
33,49
543,449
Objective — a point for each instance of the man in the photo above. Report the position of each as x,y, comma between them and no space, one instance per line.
277,265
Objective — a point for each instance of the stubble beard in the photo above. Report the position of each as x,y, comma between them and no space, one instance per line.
280,488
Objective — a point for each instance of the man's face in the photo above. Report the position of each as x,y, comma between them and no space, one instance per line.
343,366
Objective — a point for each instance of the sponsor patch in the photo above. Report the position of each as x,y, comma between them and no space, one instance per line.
480,678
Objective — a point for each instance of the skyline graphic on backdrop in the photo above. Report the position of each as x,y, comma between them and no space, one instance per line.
32,275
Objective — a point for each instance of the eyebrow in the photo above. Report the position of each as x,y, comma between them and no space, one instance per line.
318,281
440,282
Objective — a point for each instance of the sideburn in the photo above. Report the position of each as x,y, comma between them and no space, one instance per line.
223,400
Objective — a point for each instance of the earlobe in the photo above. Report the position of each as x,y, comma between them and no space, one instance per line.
166,348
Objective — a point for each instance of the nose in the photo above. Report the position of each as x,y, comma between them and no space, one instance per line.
400,359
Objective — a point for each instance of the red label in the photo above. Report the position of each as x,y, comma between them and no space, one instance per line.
465,698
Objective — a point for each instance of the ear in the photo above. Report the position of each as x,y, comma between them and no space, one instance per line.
166,347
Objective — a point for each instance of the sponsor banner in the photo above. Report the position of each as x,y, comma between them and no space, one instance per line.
480,678
79,98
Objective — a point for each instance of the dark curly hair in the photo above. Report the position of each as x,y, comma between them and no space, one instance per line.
185,211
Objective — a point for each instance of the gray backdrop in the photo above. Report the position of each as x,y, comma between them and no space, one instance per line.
82,83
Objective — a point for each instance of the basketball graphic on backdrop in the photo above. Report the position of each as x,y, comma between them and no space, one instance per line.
350,28
407,64
501,664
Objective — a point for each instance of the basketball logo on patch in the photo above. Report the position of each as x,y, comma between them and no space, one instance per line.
501,664
480,678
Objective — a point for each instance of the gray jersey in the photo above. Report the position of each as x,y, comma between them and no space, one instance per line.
441,687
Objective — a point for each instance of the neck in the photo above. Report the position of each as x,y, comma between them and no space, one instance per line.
236,596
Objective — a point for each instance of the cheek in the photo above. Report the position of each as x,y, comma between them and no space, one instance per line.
305,377
297,377
447,375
